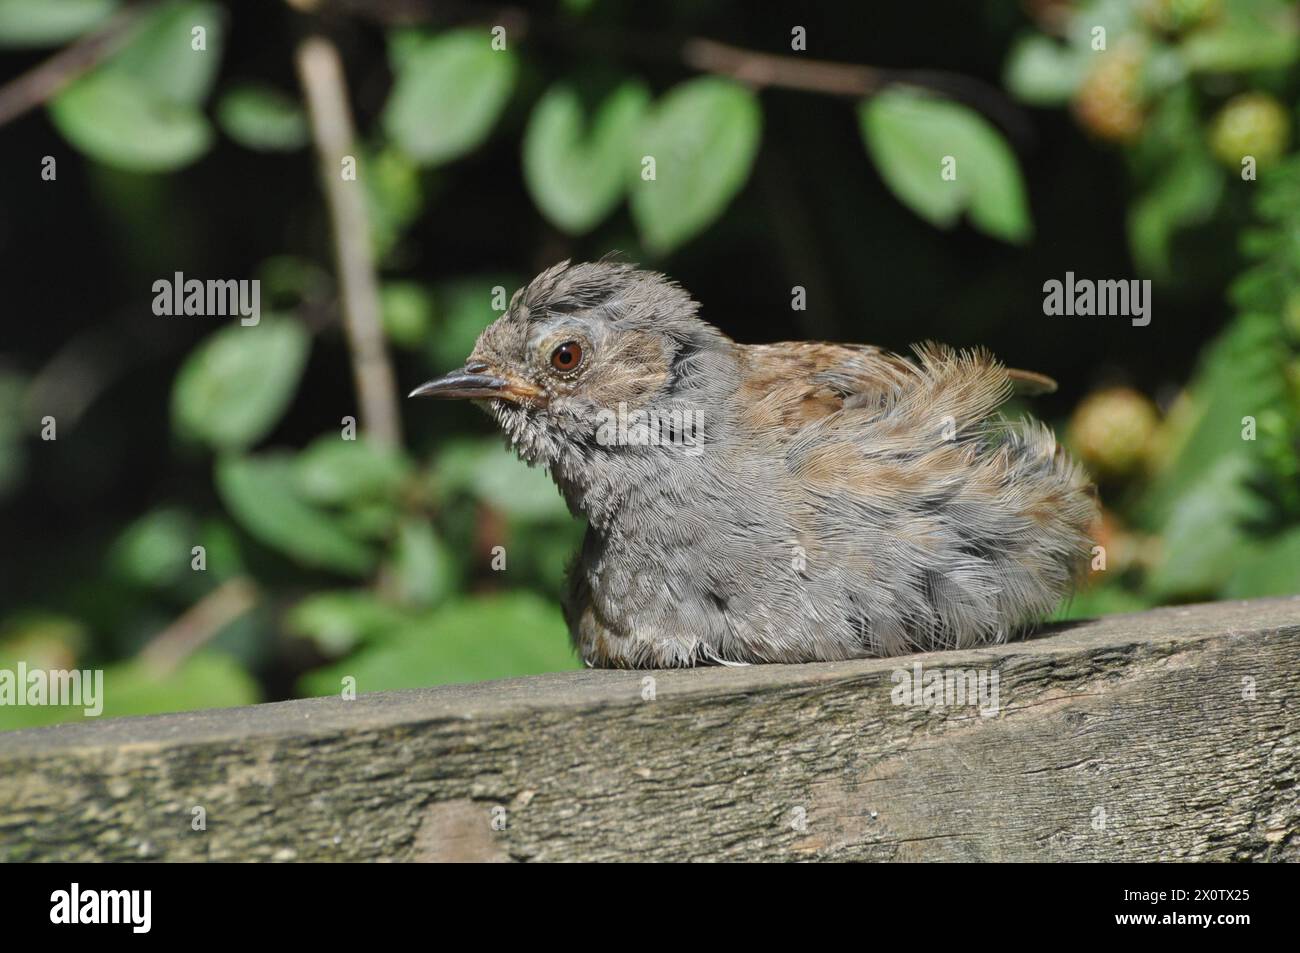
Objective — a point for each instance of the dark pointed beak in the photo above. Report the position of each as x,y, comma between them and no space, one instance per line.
462,384
474,383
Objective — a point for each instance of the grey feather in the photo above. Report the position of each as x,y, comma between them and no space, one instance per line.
907,516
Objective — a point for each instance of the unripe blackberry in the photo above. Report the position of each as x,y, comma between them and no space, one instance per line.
1252,124
1112,430
1108,103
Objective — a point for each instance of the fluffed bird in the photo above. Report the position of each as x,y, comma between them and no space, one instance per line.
774,502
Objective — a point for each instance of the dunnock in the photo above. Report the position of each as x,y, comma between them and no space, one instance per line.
777,502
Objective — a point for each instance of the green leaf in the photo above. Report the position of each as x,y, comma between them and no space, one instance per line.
262,494
1252,35
1163,70
1185,195
1270,569
1042,72
403,43
468,640
577,170
261,117
154,551
392,185
1240,376
449,91
1181,182
1210,503
140,110
486,471
337,471
205,680
118,121
289,280
339,620
1118,18
703,135
221,540
49,22
407,312
465,308
370,519
161,56
424,570
235,386
1205,536
1106,599
542,550
910,135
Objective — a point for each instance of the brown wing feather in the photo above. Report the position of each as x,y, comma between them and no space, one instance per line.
1031,383
788,385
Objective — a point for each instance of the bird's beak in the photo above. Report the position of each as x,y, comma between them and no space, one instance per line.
476,386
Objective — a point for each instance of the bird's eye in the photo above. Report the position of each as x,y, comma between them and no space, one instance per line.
567,356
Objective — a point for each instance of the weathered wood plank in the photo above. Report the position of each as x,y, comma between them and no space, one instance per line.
1170,734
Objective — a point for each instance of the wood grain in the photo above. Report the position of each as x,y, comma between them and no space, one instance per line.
1169,735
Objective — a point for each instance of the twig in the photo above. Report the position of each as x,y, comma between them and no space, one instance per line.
845,79
797,72
199,624
321,75
791,72
44,81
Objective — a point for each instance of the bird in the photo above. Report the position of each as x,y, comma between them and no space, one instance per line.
775,503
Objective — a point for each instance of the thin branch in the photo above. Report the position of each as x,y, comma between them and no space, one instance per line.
200,623
791,72
758,69
321,74
43,82
845,79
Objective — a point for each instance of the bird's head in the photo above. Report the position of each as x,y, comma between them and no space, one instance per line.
579,343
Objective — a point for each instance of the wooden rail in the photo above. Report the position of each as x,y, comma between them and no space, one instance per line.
1172,734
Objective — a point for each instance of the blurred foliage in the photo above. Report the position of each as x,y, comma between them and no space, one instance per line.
142,109
906,131
1204,503
262,118
448,92
444,560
